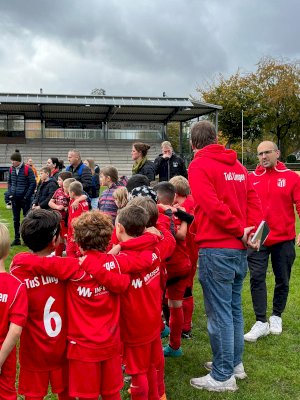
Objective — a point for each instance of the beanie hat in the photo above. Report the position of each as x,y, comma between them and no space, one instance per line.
145,191
16,156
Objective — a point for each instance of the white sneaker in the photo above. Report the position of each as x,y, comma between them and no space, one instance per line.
259,329
238,371
275,325
207,382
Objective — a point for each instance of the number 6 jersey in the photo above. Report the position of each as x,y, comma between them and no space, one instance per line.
43,340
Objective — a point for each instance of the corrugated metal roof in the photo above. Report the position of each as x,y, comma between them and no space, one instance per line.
104,108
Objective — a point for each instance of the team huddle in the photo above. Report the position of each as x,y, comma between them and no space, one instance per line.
86,319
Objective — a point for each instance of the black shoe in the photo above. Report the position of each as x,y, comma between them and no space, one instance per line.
16,242
187,335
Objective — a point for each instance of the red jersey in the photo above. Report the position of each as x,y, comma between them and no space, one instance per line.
192,247
61,199
93,311
226,202
279,190
83,206
13,303
43,340
142,300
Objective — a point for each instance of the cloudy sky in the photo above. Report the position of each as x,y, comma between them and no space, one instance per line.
139,47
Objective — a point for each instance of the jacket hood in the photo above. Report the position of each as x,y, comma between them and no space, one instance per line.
217,152
279,167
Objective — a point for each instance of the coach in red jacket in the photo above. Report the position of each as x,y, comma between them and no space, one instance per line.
279,190
227,210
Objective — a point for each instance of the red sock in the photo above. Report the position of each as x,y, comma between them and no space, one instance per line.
161,376
188,308
65,396
176,324
152,383
139,387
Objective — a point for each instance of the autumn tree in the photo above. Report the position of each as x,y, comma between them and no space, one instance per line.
279,83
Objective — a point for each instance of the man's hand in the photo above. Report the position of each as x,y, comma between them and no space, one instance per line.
153,230
246,239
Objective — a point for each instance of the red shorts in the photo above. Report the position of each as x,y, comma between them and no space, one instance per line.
35,383
176,286
8,378
94,378
138,359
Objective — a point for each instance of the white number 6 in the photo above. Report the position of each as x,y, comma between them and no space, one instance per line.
53,315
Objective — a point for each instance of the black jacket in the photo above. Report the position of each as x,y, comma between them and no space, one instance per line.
44,193
85,178
148,170
20,186
166,168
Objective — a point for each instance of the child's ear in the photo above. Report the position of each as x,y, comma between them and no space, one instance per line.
55,241
120,227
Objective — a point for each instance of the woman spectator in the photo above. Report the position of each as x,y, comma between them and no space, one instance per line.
141,164
95,170
55,167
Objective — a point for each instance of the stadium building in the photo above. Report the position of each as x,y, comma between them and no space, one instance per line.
101,127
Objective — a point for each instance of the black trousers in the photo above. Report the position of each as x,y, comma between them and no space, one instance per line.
17,206
282,258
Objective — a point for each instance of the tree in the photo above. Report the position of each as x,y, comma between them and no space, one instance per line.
236,94
98,92
269,98
280,84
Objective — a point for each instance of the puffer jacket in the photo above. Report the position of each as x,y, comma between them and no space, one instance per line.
148,170
44,193
85,178
20,186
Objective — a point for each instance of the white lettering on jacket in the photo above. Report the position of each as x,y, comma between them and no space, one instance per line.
232,176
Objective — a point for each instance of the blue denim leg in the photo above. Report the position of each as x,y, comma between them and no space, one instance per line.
221,274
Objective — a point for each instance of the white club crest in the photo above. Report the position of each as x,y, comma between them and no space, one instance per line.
281,182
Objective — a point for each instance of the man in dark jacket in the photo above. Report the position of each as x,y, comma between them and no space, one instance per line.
21,185
45,190
169,164
80,172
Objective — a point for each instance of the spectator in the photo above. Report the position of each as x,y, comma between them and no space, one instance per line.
279,190
80,171
168,163
21,185
31,165
227,209
141,164
95,170
55,167
45,190
109,178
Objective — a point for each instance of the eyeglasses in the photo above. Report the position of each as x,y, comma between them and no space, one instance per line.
267,152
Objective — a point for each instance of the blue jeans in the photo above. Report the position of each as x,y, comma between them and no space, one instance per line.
221,274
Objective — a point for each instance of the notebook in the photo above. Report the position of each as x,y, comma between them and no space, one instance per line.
261,233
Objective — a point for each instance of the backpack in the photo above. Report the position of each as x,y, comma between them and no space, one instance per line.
26,169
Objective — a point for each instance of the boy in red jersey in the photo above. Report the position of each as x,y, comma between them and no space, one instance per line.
60,202
184,200
142,344
75,191
178,270
43,341
13,311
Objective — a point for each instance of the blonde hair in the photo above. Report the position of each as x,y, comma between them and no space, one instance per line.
120,196
4,241
67,183
91,164
181,185
76,188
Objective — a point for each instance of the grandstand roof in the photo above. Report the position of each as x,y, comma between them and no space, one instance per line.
103,108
